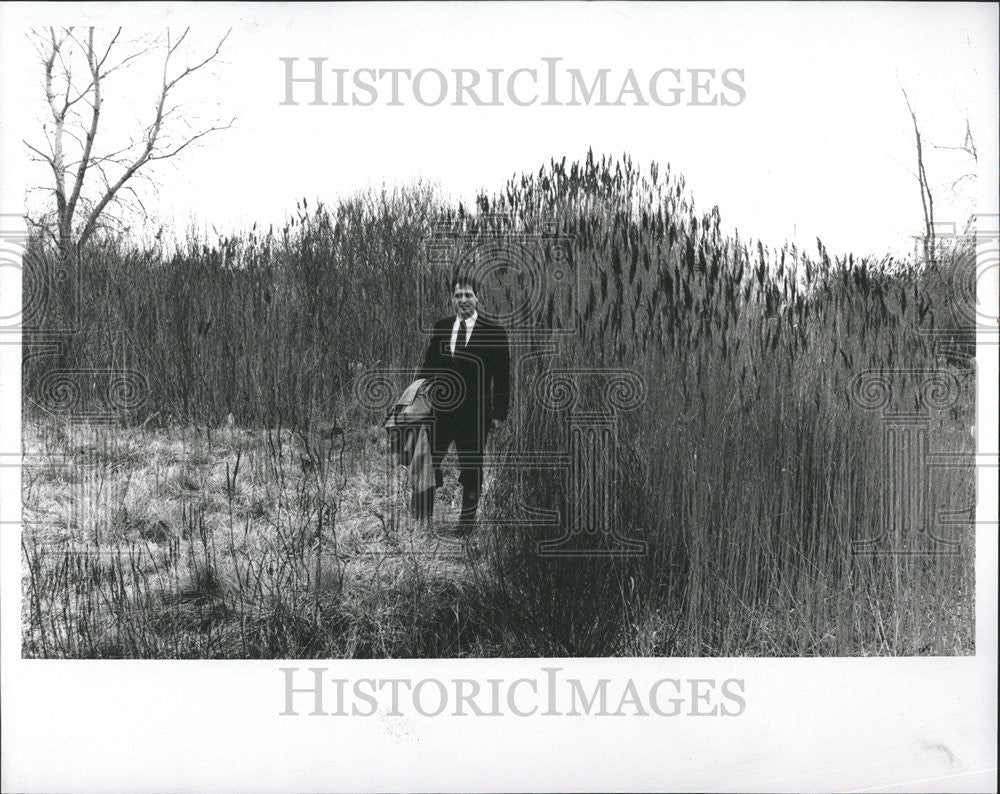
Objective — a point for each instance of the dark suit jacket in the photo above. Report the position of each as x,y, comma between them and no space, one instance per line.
482,368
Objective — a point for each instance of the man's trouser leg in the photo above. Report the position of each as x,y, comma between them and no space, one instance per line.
470,445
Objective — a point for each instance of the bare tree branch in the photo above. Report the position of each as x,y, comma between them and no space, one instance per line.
75,110
177,150
962,178
45,157
968,144
95,76
926,198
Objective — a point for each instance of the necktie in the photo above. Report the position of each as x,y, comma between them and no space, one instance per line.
461,330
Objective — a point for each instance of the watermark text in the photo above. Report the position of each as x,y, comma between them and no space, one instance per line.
316,692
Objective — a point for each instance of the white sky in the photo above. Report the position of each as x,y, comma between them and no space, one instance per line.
822,145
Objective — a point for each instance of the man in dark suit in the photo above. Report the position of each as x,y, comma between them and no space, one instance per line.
470,357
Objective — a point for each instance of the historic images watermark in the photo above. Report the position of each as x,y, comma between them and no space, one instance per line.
917,525
968,282
916,465
317,692
50,291
86,401
548,83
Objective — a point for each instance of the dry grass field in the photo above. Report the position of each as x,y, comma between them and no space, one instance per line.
233,543
239,504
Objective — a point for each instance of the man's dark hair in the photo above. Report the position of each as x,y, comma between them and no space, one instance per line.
464,280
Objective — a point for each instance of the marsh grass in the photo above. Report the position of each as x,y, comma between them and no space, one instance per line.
244,509
255,553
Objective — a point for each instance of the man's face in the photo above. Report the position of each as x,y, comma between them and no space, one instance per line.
464,300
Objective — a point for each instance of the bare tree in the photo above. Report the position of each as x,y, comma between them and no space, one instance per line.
968,147
88,179
926,198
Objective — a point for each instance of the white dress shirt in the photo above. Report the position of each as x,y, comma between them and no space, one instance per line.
469,323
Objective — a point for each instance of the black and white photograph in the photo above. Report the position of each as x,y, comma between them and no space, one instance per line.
471,396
